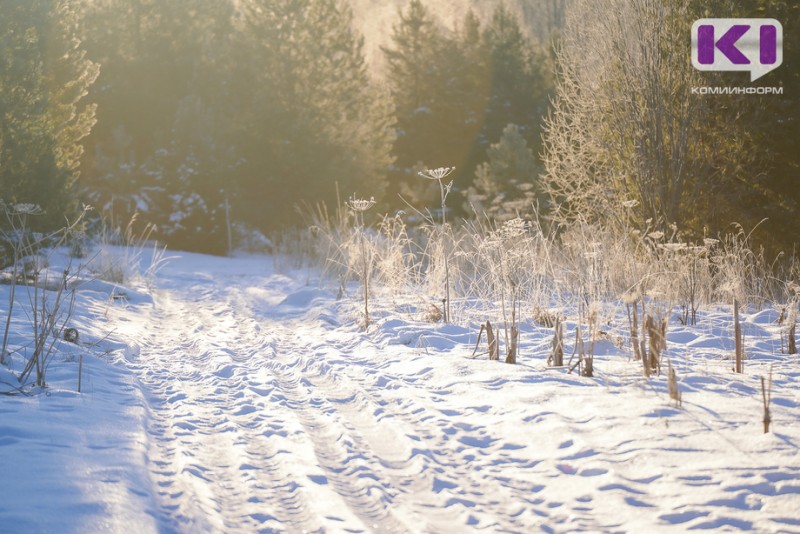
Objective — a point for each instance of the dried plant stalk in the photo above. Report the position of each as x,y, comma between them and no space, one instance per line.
737,331
633,315
766,396
494,350
672,384
557,355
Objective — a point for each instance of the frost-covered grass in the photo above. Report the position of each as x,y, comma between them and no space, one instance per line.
586,272
129,255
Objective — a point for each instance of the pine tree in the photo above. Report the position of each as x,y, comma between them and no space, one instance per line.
505,186
44,78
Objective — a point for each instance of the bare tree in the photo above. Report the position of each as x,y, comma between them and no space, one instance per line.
624,126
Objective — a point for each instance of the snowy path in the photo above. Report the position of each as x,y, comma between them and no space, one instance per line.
248,412
266,418
268,413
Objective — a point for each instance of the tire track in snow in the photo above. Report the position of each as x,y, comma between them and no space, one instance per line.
349,467
231,426
434,476
275,422
213,461
347,459
445,469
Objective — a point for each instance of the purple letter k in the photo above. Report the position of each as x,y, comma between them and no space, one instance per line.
726,44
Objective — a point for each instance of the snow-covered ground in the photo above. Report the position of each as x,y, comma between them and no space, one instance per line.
231,398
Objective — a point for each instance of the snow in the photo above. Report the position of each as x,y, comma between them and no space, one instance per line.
227,397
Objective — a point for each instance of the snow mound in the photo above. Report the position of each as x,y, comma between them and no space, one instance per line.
306,298
765,317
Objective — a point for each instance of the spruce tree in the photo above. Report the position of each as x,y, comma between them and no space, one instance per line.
415,75
412,58
317,123
518,76
455,91
474,68
44,78
163,146
197,161
506,185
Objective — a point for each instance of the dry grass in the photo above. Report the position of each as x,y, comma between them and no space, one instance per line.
522,271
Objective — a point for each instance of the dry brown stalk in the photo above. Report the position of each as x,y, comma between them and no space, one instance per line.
657,344
557,355
634,317
511,357
478,342
494,350
672,384
766,396
579,350
588,366
737,331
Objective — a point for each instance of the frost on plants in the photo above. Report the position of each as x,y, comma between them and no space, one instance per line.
361,249
439,175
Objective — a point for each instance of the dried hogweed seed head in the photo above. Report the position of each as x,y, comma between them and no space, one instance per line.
630,297
513,228
27,209
360,204
673,247
436,174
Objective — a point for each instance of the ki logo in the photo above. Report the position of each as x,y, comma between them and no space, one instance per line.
754,45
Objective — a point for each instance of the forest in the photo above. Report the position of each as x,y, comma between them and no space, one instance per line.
198,115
